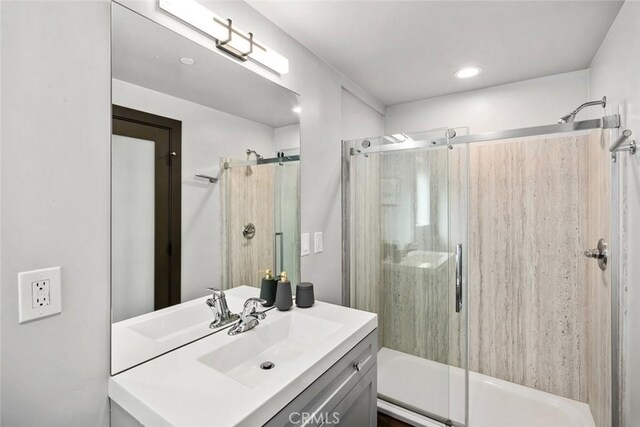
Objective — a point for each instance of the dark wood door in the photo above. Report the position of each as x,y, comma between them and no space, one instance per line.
166,136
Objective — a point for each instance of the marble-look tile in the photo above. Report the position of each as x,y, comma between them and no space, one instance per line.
526,273
366,239
247,197
598,308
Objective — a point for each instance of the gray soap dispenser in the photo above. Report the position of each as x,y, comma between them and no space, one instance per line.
268,289
284,299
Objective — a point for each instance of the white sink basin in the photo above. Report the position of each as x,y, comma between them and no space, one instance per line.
280,342
217,380
425,259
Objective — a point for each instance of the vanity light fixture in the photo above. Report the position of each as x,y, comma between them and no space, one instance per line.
242,45
465,73
296,110
187,61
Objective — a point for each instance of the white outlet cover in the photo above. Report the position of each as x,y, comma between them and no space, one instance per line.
304,244
317,237
47,285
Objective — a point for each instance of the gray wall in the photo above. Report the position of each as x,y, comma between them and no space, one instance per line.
532,102
615,72
55,211
358,119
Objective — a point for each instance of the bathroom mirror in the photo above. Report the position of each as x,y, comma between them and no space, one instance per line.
205,184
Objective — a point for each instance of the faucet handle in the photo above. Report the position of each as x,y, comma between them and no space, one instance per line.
216,293
251,306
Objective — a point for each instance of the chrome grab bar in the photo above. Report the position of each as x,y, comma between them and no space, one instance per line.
626,134
459,278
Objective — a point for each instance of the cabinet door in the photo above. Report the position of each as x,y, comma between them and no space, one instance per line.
315,405
359,407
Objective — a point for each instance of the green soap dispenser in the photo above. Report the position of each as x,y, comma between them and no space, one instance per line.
284,298
268,288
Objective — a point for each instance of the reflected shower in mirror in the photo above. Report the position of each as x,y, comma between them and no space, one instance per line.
205,184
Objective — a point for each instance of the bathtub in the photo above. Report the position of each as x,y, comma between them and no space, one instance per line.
410,388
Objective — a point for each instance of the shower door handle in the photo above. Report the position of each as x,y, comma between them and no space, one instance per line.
279,234
458,278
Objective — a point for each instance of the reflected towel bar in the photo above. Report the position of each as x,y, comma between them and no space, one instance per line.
617,146
212,179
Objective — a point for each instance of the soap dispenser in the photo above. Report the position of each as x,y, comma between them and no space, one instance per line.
284,299
268,288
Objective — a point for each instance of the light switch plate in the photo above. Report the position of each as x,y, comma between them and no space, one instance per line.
304,244
39,294
317,238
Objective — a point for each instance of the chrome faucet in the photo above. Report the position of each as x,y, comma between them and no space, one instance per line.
250,316
221,314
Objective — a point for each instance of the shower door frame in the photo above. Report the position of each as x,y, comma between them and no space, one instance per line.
607,122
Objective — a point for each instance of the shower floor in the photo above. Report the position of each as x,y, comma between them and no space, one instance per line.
407,382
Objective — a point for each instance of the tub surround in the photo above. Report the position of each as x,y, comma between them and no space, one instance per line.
216,380
492,402
551,331
538,309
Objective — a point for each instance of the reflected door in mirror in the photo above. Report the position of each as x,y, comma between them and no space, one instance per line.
145,212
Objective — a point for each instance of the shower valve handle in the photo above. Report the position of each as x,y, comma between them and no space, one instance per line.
601,253
594,253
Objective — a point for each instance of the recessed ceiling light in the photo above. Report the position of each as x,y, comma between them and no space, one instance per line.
296,110
465,73
187,61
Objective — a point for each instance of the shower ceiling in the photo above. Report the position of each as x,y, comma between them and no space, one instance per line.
401,51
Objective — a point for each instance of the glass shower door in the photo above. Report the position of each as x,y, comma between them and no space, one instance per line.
407,240
287,219
260,220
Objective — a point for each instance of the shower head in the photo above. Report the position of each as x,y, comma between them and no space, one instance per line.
249,151
572,116
568,118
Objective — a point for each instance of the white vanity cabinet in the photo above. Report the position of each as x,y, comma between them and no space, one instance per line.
344,395
324,372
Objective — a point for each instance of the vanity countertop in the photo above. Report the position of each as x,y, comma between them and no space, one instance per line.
144,337
217,379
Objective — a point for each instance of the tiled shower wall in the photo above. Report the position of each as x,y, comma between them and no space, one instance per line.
267,196
538,309
247,197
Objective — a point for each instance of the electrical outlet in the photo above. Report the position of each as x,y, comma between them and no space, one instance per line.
39,294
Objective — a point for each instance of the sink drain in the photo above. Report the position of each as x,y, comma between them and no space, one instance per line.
267,365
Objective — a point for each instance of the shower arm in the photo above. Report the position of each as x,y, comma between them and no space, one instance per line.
250,151
571,116
602,102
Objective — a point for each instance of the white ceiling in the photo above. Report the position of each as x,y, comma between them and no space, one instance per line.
147,54
401,51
